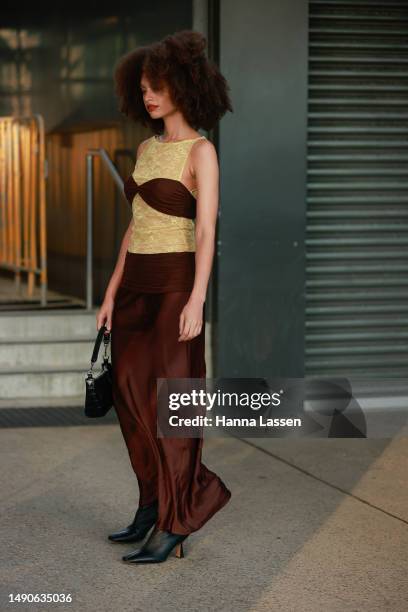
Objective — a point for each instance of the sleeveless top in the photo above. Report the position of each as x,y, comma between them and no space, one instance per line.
161,250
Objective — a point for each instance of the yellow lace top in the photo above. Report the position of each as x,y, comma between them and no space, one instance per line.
155,231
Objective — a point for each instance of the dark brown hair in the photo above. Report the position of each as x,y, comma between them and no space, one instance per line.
197,87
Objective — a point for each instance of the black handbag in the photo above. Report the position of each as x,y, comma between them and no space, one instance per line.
98,397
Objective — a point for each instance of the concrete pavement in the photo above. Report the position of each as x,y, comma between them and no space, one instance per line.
312,525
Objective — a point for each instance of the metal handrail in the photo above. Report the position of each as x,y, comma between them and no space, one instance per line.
91,153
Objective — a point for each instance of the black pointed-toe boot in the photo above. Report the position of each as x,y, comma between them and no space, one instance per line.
144,520
157,547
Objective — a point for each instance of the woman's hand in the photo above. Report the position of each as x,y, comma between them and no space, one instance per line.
104,314
191,320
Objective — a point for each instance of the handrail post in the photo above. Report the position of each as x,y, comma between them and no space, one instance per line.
89,230
89,211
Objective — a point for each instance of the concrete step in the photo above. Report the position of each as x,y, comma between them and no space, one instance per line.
44,402
45,356
43,350
43,381
33,324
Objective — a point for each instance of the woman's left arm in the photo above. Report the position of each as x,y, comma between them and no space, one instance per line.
204,163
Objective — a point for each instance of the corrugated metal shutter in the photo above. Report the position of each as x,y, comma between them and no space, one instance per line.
357,210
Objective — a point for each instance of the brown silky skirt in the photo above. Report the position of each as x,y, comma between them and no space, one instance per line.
145,346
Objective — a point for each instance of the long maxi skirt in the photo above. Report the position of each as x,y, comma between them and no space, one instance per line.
144,346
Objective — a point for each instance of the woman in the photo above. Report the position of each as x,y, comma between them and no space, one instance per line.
155,301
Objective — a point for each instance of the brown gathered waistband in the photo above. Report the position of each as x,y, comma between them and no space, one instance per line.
159,272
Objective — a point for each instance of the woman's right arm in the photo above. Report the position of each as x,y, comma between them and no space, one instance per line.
104,314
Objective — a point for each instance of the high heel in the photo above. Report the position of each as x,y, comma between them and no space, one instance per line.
157,547
145,518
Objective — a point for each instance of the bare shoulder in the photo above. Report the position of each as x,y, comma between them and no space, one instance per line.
204,149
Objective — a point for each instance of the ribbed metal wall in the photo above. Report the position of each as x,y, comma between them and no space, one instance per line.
357,206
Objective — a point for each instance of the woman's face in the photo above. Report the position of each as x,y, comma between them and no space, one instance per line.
157,102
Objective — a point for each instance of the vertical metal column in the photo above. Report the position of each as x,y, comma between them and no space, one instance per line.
89,230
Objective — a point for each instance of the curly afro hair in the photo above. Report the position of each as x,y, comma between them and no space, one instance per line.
196,86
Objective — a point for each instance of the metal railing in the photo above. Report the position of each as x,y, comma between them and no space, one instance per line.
23,231
91,153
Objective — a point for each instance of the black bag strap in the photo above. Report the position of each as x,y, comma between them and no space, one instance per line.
102,334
